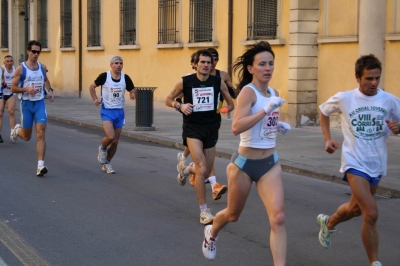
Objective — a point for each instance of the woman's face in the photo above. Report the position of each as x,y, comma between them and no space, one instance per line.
263,67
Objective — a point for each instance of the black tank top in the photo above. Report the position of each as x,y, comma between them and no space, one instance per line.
190,83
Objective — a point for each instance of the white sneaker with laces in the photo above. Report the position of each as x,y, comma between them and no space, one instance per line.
324,232
102,157
179,157
209,244
41,170
206,217
14,135
181,178
108,168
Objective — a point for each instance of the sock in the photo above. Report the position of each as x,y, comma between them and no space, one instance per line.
183,156
203,207
17,130
186,170
213,180
40,163
103,149
107,161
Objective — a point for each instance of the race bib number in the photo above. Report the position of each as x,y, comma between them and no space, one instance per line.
116,94
7,91
203,99
269,126
39,91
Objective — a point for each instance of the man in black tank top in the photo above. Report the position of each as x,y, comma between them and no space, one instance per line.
200,123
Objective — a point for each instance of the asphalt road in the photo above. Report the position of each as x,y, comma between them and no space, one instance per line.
78,215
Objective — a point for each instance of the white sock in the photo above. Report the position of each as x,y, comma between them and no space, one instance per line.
213,180
40,163
186,170
203,207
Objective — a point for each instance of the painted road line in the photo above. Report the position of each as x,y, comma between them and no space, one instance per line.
26,254
2,263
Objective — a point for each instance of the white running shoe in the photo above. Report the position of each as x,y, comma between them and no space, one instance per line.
181,178
108,168
209,244
41,170
179,157
102,157
206,217
14,135
324,232
376,263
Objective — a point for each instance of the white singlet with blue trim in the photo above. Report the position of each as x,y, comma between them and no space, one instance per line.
113,92
32,79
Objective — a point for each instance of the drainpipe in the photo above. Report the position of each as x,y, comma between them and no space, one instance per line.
230,21
26,19
80,47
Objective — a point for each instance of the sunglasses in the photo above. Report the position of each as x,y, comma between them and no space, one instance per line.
35,51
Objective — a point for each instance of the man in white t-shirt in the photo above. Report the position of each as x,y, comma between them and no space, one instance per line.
368,116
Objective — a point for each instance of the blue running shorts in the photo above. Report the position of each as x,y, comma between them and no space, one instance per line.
116,116
33,111
372,180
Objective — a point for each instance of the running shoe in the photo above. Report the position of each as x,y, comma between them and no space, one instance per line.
179,157
209,244
14,135
376,263
108,168
181,178
41,170
1,139
192,179
102,157
324,232
206,217
218,191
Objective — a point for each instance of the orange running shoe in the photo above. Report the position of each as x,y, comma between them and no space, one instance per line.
218,191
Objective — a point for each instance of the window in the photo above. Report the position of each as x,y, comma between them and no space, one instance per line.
94,23
4,23
167,21
262,19
42,23
201,18
127,10
66,23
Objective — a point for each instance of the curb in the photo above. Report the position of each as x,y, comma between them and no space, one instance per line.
287,166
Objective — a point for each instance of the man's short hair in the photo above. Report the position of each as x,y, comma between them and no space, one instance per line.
367,62
116,58
203,52
8,56
32,43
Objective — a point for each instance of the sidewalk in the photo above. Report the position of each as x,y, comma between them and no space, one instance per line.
301,150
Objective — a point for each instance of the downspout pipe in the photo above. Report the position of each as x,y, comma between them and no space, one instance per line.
80,48
26,19
230,31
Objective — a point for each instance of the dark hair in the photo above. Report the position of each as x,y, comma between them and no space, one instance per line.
8,56
247,59
203,52
213,52
367,62
32,43
192,57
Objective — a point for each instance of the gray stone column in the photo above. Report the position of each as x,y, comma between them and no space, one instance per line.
303,61
372,30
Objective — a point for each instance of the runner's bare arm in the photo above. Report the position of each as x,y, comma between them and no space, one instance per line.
227,96
92,90
17,79
330,144
48,85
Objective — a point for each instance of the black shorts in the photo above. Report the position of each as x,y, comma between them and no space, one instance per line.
206,133
6,97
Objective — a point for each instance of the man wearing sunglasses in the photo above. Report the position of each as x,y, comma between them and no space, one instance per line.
30,79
